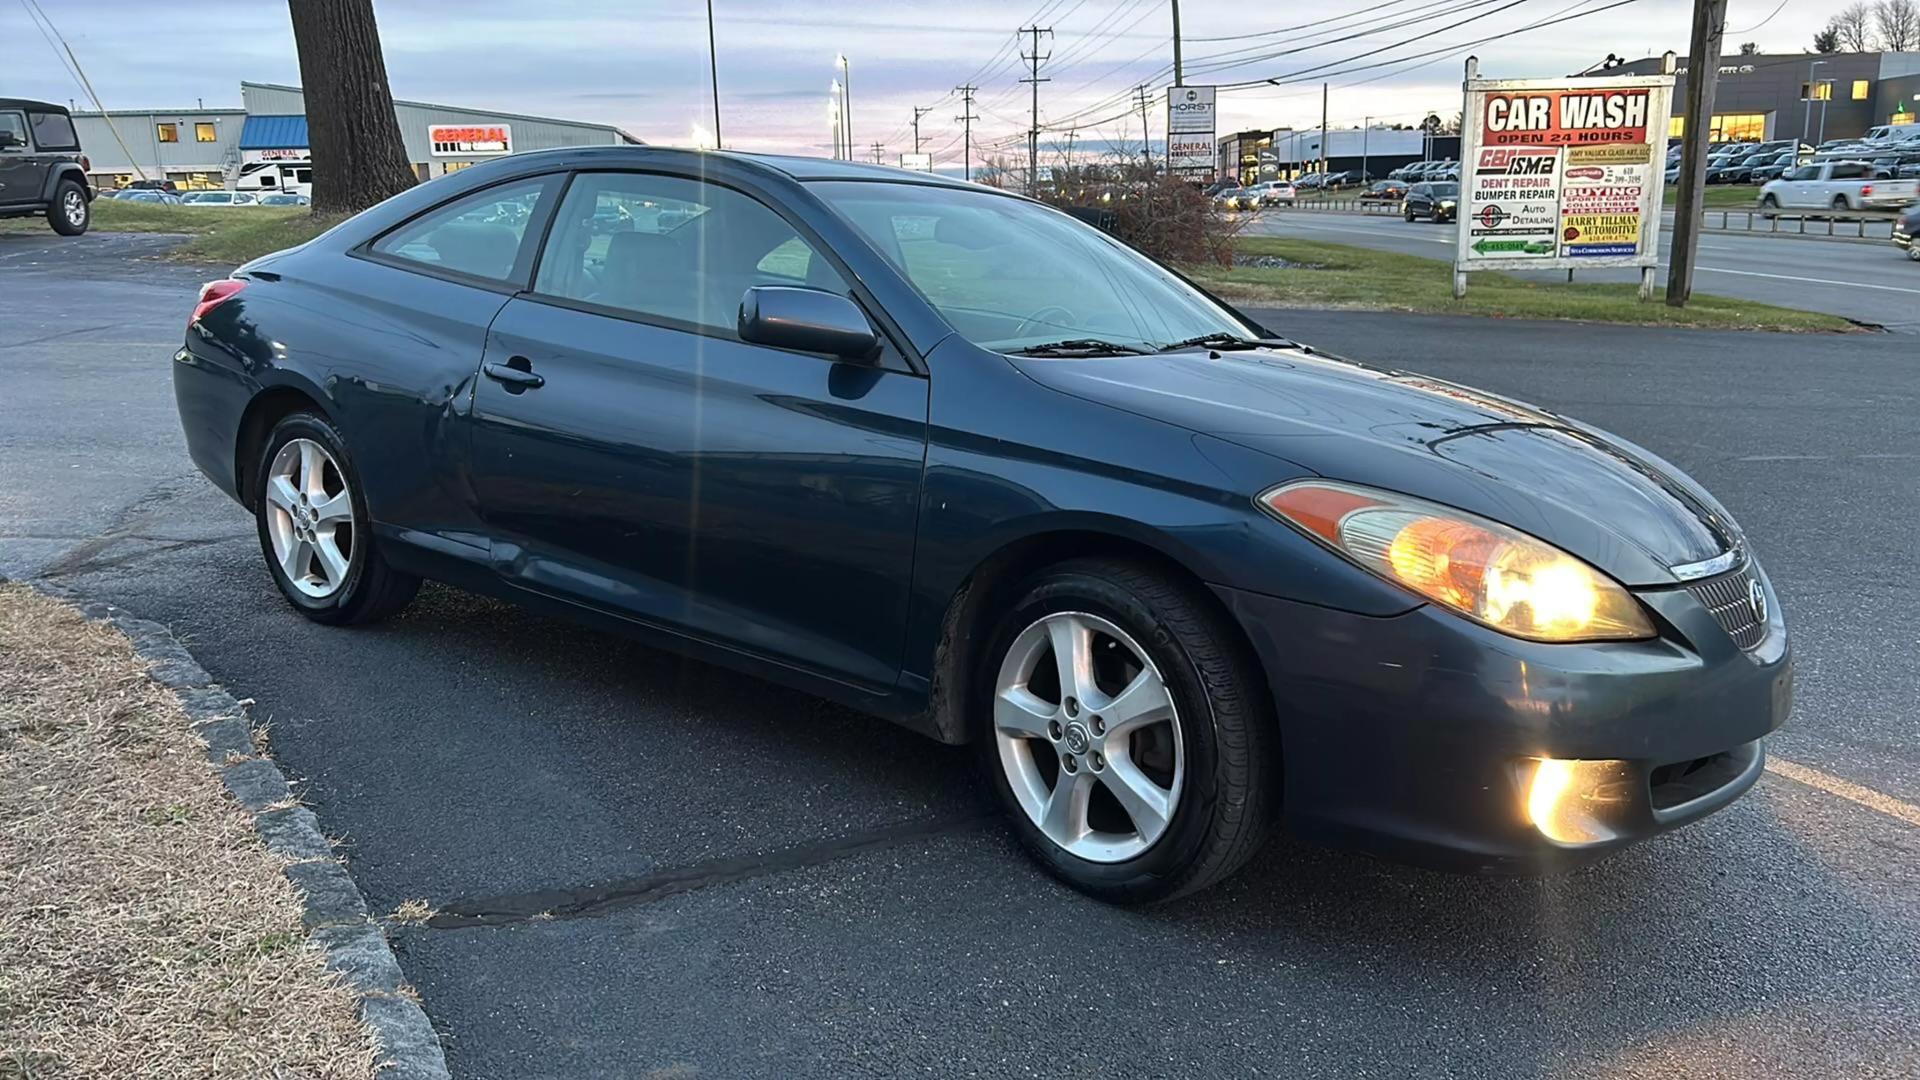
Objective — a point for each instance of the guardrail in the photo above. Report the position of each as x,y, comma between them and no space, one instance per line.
1863,226
1846,226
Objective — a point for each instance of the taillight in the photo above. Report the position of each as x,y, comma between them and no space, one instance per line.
1866,189
212,295
86,163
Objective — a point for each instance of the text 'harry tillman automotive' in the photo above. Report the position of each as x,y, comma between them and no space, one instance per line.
959,460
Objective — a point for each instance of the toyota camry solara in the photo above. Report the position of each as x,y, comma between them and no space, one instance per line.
959,460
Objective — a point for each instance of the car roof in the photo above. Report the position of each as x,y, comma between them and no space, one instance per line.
29,103
794,166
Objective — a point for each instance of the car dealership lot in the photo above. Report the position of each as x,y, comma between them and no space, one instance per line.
746,882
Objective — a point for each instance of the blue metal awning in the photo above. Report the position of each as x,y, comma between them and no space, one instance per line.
274,133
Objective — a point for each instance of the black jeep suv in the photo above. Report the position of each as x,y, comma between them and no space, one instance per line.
41,167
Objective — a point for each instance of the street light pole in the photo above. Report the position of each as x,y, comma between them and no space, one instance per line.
1806,115
1366,129
846,100
1828,96
713,66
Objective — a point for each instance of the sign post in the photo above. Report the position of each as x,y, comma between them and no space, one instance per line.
1190,127
1558,174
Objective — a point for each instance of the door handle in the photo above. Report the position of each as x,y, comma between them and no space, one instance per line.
516,374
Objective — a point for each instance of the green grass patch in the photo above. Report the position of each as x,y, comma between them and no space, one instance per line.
1351,277
1721,196
215,234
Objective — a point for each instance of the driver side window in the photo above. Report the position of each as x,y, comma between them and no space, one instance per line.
669,248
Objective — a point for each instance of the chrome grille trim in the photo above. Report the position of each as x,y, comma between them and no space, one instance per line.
1726,598
1707,567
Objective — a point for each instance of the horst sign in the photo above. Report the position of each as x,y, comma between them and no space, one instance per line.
1190,129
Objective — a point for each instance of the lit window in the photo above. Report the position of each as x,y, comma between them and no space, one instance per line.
167,132
1676,127
205,133
1859,89
455,166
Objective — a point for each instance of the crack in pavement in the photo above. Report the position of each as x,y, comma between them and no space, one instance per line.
594,900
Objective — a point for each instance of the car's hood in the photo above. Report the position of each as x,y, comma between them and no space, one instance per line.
1593,494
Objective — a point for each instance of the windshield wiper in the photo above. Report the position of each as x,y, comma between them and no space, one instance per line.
1213,341
1079,345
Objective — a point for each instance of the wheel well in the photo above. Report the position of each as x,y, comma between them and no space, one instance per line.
976,607
267,408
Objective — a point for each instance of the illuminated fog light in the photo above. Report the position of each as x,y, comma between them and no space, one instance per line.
1569,801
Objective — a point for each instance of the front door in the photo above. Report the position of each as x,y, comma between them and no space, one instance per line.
21,175
630,452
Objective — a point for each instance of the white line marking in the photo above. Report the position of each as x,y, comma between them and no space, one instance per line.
1846,789
1813,280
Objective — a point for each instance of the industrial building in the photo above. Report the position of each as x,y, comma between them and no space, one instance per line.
263,144
1809,96
1285,153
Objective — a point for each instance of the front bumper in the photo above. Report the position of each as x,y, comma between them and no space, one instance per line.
1419,736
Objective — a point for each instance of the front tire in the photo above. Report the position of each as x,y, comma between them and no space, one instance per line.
314,528
70,213
1128,734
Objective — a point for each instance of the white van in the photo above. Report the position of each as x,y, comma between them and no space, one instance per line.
1886,133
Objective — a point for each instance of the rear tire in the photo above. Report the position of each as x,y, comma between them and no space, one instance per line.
1841,205
315,532
69,213
1206,747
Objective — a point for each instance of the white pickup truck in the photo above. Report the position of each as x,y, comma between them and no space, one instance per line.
1836,185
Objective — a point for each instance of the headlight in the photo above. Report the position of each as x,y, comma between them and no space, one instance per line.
1490,573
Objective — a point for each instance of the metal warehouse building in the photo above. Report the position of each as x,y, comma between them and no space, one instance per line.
1810,96
263,144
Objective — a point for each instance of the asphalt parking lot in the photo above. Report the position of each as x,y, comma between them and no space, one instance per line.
677,872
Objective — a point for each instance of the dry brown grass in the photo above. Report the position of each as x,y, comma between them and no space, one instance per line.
144,929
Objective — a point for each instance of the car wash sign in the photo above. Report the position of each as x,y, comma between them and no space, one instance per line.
1561,174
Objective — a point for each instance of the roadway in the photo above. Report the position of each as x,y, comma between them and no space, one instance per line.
797,891
1868,282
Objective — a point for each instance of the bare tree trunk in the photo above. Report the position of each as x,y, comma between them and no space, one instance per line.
358,156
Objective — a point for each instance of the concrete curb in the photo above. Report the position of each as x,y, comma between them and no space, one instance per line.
333,909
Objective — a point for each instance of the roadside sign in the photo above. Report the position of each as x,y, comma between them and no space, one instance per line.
1561,174
1190,129
917,162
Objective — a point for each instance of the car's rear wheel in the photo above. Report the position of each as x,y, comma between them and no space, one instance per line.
1840,204
314,528
1128,736
69,213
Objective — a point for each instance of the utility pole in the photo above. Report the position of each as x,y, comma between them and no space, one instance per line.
966,118
879,151
918,112
1073,136
713,66
1146,132
1179,72
1703,73
1323,129
1033,132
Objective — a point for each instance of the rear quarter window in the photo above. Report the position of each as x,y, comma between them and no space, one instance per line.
53,131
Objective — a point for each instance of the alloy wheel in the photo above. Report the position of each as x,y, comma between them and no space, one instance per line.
75,207
1089,737
310,518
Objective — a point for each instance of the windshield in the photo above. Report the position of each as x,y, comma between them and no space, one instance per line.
1446,191
1008,274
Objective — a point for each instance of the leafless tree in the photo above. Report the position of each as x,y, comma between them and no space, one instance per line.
358,156
1899,24
1853,25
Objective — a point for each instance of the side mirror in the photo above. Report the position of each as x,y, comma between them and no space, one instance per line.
807,320
9,140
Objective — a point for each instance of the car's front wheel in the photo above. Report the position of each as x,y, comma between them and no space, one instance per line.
1128,735
69,213
315,531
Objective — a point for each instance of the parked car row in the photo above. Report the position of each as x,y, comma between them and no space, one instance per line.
151,192
1426,170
